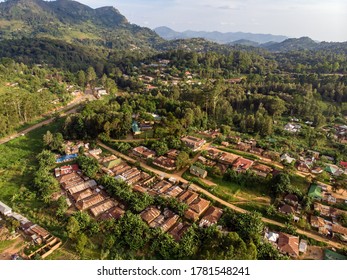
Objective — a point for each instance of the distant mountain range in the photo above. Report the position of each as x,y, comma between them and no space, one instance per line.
218,37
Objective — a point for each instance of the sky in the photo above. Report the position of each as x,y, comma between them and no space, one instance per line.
323,20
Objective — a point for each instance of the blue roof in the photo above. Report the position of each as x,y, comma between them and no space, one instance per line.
66,158
135,127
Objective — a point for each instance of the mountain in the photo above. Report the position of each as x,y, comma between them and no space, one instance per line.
303,43
73,22
244,42
218,37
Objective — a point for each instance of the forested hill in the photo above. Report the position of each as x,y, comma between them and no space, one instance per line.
73,22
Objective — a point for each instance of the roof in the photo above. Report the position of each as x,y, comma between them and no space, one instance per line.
339,229
197,170
288,244
343,164
315,191
199,205
149,214
291,197
287,209
82,195
211,216
272,236
135,127
331,255
243,163
178,230
331,168
262,167
101,208
4,209
188,197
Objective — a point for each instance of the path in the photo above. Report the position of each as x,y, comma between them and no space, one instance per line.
69,109
215,198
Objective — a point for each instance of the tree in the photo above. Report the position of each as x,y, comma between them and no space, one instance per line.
62,206
280,184
47,138
72,227
82,241
343,219
46,159
81,78
182,160
89,166
160,147
45,184
91,76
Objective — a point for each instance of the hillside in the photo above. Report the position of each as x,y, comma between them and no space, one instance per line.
73,22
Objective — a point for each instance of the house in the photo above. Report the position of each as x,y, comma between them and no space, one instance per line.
286,209
4,209
243,146
272,236
135,128
227,158
333,169
82,195
242,164
288,244
292,128
150,214
162,186
331,255
315,192
174,191
303,246
90,201
287,159
199,205
114,213
212,153
211,217
225,144
314,154
340,230
261,170
188,197
143,152
343,164
291,199
197,171
328,197
257,151
193,143
303,167
111,161
178,230
166,163
173,154
323,226
317,170
325,210
101,208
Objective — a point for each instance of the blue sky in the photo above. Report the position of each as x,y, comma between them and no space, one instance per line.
324,20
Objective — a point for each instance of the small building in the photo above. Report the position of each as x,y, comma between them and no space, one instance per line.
256,151
243,146
288,244
193,143
261,170
303,246
111,161
287,158
150,214
272,236
197,171
242,164
178,230
291,199
303,167
331,255
173,154
211,217
227,158
286,209
4,209
315,192
135,128
166,163
292,128
143,152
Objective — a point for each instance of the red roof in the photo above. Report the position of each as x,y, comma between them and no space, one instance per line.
343,164
243,163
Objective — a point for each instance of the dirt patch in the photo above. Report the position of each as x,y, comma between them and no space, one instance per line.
14,248
313,253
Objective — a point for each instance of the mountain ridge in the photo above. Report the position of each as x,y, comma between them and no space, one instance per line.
218,37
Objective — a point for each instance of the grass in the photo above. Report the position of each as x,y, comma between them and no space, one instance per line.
17,166
300,183
6,244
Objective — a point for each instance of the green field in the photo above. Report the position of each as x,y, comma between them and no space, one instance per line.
17,166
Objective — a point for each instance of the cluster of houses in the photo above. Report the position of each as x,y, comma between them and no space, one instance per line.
287,244
326,222
340,133
45,242
86,195
224,160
